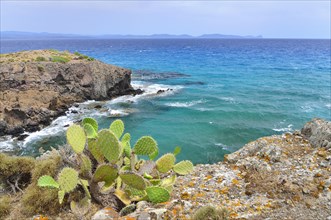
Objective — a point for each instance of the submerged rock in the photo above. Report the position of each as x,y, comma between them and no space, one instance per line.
34,90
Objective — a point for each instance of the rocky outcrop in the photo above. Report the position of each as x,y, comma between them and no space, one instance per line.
318,132
278,177
33,93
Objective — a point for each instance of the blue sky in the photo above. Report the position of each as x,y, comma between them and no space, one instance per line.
272,19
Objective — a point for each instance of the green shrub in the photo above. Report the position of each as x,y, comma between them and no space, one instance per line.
40,68
40,59
211,213
4,206
59,59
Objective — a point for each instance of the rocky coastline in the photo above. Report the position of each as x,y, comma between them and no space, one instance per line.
284,176
38,86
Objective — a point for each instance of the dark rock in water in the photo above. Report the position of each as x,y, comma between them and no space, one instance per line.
97,106
137,92
42,91
160,91
150,75
14,130
194,83
76,105
74,111
22,137
3,128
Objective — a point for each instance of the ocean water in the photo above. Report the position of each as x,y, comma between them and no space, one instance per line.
222,93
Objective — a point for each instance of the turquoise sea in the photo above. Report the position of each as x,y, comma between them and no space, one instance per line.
222,93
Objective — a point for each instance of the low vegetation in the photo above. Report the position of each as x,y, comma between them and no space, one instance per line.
50,55
99,169
211,213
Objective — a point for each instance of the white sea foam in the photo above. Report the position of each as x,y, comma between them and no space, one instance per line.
56,127
223,146
307,108
286,129
86,109
185,104
328,105
227,99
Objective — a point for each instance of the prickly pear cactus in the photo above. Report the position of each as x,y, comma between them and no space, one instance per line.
184,167
85,165
47,181
109,145
121,195
134,180
117,127
106,173
92,122
126,144
61,194
145,146
90,132
165,163
95,150
169,181
68,179
157,194
76,138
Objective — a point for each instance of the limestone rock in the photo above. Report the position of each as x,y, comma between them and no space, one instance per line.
318,132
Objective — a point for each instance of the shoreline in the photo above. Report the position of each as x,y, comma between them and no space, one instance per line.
87,108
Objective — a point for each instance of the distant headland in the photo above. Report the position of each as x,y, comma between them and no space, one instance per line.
45,35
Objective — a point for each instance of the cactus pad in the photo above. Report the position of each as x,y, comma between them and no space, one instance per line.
122,196
133,180
85,165
135,194
117,127
169,181
127,210
76,138
155,182
61,194
126,138
92,122
145,146
126,144
90,132
68,179
109,145
106,173
184,167
85,184
177,150
47,181
95,150
153,155
165,163
157,194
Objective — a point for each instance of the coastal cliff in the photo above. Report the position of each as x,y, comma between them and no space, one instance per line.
38,86
284,176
